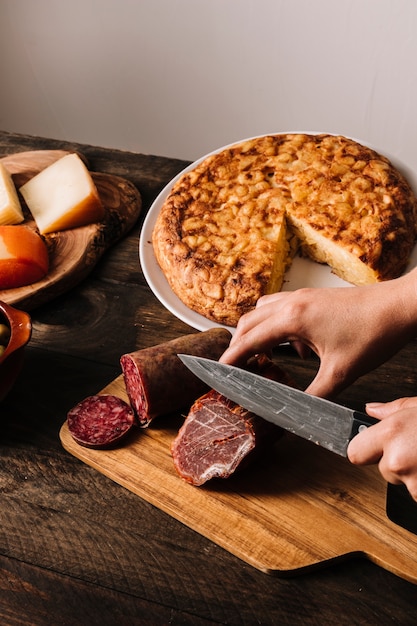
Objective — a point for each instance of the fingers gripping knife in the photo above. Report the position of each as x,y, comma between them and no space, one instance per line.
325,423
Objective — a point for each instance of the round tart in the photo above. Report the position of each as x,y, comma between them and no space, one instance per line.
228,230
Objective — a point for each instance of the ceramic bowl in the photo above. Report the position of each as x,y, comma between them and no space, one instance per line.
11,360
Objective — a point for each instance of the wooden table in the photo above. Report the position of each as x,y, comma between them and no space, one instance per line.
75,547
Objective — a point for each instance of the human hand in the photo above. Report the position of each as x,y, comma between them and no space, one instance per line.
392,443
351,329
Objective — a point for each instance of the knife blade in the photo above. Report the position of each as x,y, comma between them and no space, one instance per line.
327,424
321,421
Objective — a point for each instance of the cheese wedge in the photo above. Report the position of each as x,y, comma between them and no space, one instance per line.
10,209
63,196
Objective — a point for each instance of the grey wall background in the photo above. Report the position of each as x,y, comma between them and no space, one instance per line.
182,77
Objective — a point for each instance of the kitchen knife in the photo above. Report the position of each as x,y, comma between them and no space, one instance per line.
321,421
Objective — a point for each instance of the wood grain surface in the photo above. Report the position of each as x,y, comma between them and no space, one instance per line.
73,252
78,548
277,514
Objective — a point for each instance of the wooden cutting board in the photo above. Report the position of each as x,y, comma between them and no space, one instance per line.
298,507
72,253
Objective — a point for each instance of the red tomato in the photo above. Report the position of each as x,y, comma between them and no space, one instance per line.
23,257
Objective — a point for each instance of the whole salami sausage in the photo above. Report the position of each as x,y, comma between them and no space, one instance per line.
100,421
218,436
158,383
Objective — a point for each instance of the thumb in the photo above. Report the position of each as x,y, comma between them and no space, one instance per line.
322,386
301,348
385,409
329,381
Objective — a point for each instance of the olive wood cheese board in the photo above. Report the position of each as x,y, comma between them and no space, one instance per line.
297,508
73,253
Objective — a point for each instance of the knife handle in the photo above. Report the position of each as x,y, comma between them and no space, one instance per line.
401,508
360,422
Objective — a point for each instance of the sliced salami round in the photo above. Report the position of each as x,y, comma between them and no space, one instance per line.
100,421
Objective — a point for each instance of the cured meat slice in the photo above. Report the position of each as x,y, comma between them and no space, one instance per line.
218,436
158,383
100,421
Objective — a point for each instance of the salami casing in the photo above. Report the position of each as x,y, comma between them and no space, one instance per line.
100,421
158,383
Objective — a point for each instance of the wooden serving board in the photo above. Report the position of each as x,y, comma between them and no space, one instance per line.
297,508
72,253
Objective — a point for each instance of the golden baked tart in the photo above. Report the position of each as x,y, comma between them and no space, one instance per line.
229,228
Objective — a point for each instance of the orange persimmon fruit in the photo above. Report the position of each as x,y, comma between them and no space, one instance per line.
23,256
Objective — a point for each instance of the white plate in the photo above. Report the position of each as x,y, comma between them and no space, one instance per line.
302,273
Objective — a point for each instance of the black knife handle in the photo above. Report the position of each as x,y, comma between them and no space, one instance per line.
360,422
401,508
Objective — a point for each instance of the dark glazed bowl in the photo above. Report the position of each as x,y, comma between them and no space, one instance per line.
11,360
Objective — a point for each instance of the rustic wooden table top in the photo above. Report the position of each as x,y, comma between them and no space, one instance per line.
75,547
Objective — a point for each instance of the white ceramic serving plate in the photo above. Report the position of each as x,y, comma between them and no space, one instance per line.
302,273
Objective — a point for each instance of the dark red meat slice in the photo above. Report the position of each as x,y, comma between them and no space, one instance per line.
158,383
215,438
100,421
219,436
